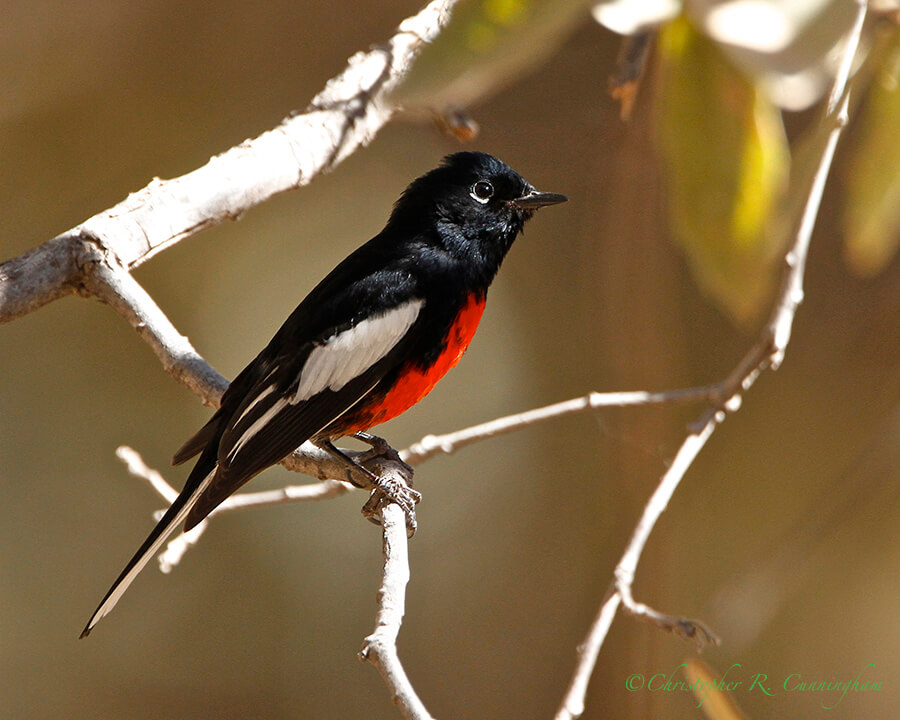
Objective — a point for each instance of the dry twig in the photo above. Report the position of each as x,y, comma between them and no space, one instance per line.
380,648
767,352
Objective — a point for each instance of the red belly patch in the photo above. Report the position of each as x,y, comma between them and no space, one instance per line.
414,383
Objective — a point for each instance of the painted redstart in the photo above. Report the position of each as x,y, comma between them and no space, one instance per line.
366,344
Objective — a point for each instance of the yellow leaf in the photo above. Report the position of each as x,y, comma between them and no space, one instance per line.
872,205
726,164
713,692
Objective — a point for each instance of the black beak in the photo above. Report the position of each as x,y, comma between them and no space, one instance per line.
535,199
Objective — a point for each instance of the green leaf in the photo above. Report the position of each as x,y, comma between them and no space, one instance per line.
726,163
872,205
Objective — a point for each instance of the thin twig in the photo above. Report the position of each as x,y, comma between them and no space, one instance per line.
432,445
767,352
179,545
137,467
311,461
322,490
291,493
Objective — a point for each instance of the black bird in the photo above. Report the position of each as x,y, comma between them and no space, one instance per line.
366,344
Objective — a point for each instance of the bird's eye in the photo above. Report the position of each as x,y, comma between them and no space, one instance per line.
482,191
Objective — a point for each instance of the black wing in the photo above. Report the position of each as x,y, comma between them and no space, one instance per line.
346,297
305,390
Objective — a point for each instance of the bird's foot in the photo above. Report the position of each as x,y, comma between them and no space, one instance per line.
380,447
389,478
392,481
389,489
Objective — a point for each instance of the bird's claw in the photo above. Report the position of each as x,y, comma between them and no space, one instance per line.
388,490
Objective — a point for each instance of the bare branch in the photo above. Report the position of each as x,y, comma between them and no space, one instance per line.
114,285
767,352
344,116
322,490
432,445
137,467
292,493
380,648
44,274
312,461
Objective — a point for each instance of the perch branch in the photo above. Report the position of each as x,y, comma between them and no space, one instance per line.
313,461
767,352
292,493
380,648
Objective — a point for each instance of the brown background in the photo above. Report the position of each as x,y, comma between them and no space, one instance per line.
789,514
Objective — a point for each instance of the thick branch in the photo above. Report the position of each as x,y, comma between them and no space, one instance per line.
39,276
343,117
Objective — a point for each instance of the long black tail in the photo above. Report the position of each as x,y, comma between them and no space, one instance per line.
197,482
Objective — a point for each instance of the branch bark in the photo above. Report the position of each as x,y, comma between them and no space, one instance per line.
380,648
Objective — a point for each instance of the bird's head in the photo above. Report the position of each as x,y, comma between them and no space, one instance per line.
474,204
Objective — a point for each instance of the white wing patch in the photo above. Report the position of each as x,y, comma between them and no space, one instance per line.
350,353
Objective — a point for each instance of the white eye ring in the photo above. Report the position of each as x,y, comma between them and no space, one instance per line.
482,191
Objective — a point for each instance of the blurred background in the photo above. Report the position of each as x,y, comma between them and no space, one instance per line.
656,275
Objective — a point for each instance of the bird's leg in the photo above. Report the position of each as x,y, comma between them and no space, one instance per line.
379,445
338,454
382,448
389,486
